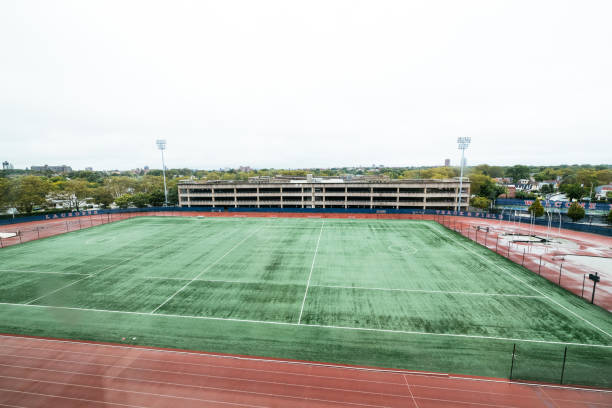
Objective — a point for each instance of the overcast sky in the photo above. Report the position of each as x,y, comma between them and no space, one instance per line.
304,84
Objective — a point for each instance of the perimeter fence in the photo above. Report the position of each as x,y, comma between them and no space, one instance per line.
561,364
548,260
21,233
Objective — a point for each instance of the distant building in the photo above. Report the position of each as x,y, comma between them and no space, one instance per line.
324,192
511,192
602,191
446,162
55,169
88,168
7,166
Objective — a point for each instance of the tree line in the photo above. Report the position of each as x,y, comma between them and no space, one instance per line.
30,193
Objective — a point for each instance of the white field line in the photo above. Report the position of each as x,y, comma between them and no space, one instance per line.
44,272
205,270
275,361
525,283
443,292
198,399
314,257
96,273
66,384
323,326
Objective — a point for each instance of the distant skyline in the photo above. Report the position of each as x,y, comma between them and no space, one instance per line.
318,84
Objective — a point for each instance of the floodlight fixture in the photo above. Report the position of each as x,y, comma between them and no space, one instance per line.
161,145
463,143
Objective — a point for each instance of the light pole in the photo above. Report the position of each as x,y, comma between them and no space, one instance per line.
463,143
161,145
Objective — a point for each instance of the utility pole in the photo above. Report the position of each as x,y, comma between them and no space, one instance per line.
161,145
463,143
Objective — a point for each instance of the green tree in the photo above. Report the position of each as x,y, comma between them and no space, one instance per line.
610,217
536,209
518,172
573,191
480,202
102,196
124,201
31,191
76,191
120,185
546,189
157,198
575,212
6,192
140,200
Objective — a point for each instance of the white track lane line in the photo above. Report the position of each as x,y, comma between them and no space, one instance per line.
524,283
186,374
411,394
288,362
470,336
195,399
205,270
103,403
314,257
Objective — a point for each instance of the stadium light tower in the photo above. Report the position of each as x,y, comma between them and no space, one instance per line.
463,143
161,145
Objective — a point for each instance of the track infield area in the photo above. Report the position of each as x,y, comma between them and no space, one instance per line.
386,293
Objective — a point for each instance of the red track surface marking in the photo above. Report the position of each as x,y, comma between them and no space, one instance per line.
47,373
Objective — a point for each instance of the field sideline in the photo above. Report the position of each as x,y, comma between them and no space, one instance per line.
405,294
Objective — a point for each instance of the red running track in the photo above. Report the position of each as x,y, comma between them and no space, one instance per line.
37,372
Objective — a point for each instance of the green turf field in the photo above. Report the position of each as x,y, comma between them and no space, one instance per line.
406,294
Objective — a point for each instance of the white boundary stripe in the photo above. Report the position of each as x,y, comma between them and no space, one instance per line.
98,272
323,326
430,291
277,361
204,270
44,272
314,257
526,284
197,399
442,292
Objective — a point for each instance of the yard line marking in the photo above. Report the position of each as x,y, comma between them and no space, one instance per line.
193,398
96,273
53,273
205,269
409,390
431,291
523,282
311,269
323,326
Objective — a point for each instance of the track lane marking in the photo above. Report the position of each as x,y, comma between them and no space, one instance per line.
314,257
192,398
412,395
237,379
288,362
